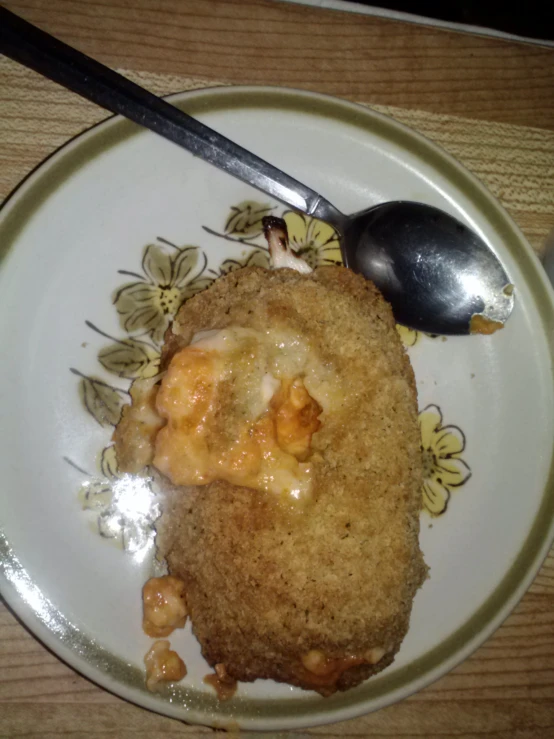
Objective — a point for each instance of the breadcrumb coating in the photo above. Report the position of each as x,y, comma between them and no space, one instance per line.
319,595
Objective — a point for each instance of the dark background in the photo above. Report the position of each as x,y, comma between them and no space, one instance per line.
532,18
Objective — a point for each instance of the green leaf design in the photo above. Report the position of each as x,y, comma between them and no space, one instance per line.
196,286
96,495
130,358
102,401
108,463
256,258
245,219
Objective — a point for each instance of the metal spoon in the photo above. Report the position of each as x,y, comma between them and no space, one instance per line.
435,271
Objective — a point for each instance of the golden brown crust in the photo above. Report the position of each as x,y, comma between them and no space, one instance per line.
266,585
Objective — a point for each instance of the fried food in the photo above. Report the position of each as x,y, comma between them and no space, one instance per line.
315,592
163,606
163,665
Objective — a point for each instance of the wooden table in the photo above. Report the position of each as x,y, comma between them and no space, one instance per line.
490,102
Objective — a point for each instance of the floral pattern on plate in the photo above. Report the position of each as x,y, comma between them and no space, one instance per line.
124,507
443,467
410,337
170,274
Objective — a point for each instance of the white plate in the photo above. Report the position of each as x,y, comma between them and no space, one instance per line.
91,210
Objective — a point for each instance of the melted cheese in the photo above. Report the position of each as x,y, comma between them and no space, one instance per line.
319,670
242,406
136,432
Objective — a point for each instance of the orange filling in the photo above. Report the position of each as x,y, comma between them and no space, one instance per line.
295,416
228,418
224,686
136,432
163,665
322,671
480,324
164,606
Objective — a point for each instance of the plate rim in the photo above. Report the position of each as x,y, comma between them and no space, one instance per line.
51,172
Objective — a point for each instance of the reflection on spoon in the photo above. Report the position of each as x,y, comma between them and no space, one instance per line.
421,258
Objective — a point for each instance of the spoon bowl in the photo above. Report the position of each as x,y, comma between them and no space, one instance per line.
436,273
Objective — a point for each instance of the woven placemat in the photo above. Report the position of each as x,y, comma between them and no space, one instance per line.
516,163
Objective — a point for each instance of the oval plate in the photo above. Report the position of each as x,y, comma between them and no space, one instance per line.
100,245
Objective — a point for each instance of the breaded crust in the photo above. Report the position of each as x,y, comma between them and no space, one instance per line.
266,585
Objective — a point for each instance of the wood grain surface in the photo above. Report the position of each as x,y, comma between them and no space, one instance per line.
353,56
488,102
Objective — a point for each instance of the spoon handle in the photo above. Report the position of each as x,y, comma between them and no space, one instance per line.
52,58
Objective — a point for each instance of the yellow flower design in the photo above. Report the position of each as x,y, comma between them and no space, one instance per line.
408,336
171,275
315,241
443,467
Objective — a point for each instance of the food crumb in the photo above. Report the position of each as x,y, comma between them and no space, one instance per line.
480,324
224,685
163,665
164,606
